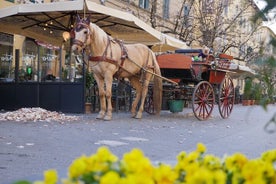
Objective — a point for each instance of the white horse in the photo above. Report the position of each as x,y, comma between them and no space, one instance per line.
109,57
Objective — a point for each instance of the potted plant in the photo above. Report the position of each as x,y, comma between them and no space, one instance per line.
176,104
257,93
89,81
247,92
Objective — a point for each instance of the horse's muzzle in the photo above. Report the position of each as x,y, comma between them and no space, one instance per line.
77,45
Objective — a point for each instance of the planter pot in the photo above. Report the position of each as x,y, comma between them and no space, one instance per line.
87,108
257,102
176,105
252,102
246,102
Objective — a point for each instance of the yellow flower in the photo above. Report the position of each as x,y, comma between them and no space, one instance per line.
50,176
104,155
201,148
110,177
252,171
235,162
258,171
135,163
164,174
219,177
181,156
189,163
191,169
212,162
78,167
269,156
201,176
192,157
136,179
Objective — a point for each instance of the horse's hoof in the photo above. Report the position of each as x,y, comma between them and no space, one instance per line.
100,116
133,115
107,118
138,116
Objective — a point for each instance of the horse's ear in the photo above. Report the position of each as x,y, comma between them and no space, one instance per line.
78,18
87,20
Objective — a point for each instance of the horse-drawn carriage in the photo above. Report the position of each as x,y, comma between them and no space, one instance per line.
202,83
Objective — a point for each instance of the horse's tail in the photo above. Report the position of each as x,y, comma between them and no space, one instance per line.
157,87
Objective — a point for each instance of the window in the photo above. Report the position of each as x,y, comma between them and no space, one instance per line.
187,19
226,7
144,4
6,58
28,62
166,7
208,6
186,10
49,64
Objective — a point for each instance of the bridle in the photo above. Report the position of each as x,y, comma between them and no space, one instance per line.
80,25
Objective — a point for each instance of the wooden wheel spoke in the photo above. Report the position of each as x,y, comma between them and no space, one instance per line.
199,97
203,100
199,106
226,97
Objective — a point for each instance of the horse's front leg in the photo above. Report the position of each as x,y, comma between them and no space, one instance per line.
108,95
100,83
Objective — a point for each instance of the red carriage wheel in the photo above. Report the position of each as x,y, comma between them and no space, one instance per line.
149,106
226,97
203,100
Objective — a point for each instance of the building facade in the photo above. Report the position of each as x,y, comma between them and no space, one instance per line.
225,26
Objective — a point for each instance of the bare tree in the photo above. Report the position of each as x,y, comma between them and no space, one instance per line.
206,22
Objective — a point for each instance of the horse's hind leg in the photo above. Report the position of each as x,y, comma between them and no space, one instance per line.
144,91
138,87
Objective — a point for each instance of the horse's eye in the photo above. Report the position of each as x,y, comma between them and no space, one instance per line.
85,32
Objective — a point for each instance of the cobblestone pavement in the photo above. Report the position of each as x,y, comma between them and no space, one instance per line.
29,148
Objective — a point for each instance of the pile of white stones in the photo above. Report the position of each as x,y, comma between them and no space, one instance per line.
35,114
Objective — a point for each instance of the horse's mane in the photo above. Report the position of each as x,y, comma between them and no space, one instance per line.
97,29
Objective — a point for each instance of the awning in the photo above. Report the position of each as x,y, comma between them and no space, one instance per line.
169,43
241,71
39,21
48,22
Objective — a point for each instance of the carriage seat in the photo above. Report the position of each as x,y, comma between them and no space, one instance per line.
175,66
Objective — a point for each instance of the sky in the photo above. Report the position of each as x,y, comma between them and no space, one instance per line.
271,24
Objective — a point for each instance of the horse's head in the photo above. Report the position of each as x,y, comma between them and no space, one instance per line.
81,34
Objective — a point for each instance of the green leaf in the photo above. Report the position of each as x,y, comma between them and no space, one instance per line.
22,182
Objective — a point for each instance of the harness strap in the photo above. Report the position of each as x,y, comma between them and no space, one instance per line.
124,55
102,58
123,51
